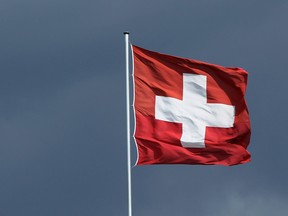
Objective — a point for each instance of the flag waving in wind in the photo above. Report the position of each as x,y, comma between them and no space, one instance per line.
189,112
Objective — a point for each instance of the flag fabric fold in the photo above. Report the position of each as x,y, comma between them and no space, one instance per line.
188,111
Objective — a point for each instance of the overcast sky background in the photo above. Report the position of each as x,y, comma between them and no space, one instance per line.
63,118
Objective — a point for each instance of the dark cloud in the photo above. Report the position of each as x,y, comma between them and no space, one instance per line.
62,111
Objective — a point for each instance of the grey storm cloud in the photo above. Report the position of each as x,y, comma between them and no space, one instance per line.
62,106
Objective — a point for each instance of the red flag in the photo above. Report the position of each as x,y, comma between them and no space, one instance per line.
189,112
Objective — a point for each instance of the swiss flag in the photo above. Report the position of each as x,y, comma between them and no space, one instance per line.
189,112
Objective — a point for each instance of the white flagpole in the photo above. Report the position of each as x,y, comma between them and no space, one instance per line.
128,124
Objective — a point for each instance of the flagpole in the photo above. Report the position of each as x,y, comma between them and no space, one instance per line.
126,34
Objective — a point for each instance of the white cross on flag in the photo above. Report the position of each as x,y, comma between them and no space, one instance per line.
189,112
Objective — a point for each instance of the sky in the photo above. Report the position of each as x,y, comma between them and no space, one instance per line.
63,114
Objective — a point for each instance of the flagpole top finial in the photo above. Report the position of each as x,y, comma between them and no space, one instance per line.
126,32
